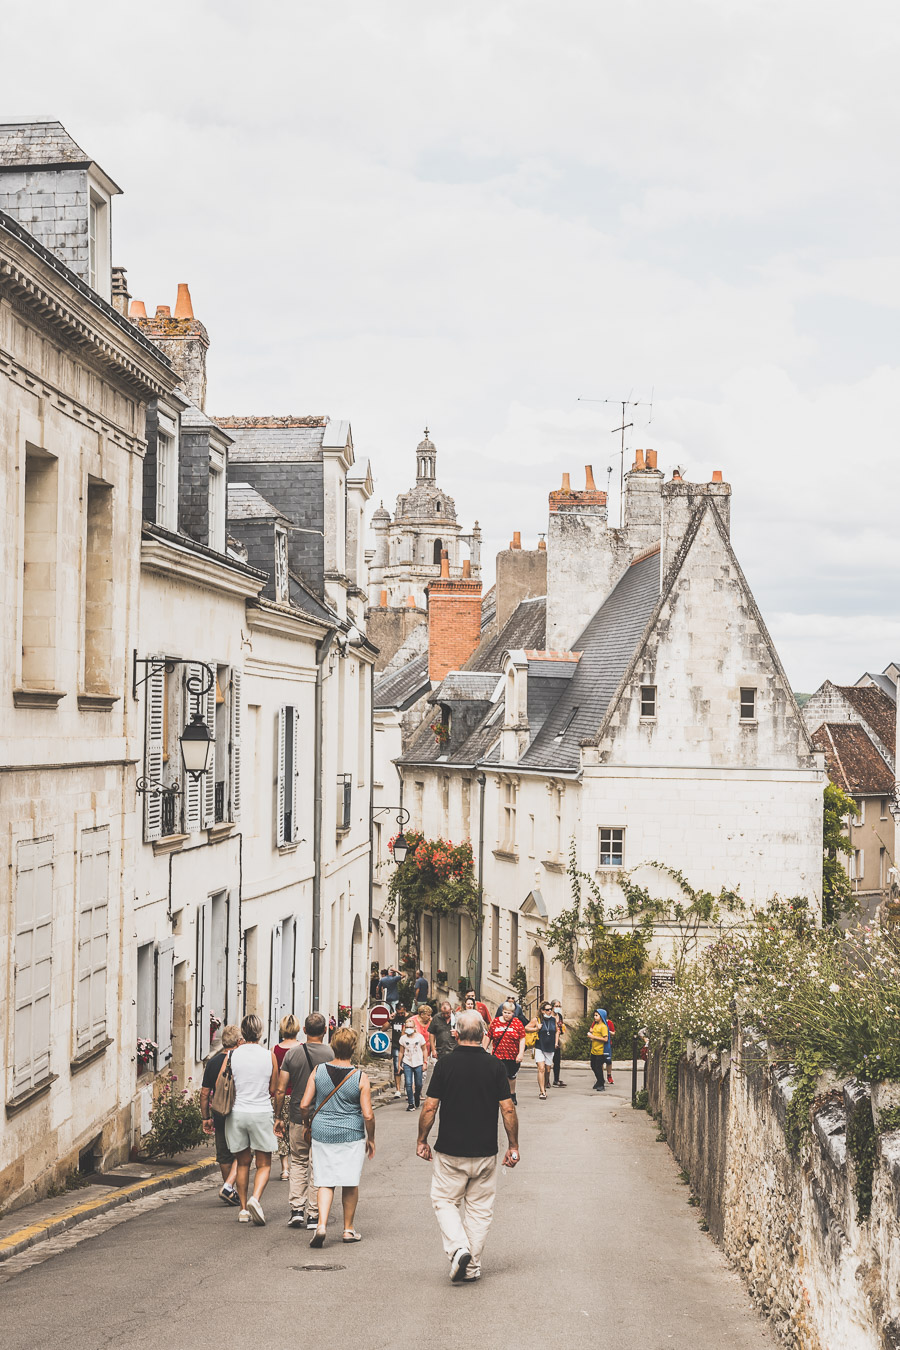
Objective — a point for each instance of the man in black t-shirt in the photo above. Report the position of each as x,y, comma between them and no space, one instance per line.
213,1123
470,1087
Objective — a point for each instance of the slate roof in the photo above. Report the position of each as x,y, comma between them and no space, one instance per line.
465,685
852,760
875,708
267,440
27,144
525,627
606,645
303,598
245,503
402,687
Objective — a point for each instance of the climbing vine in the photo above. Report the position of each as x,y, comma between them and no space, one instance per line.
437,877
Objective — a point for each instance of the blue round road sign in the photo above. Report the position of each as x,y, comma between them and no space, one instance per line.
380,1042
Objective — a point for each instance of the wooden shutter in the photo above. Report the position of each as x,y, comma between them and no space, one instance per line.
295,787
34,919
193,787
165,1001
275,984
154,747
208,704
234,756
93,907
279,777
202,972
232,958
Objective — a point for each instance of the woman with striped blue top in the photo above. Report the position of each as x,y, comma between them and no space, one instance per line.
338,1103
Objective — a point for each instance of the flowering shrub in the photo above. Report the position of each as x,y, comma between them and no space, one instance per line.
146,1049
441,732
437,876
175,1120
344,1013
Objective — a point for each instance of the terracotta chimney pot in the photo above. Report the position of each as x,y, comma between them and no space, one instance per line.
384,599
467,569
565,484
651,459
183,307
138,310
411,601
516,539
542,545
589,484
163,312
638,460
445,564
676,476
717,475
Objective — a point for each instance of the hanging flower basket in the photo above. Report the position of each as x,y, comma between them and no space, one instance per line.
441,732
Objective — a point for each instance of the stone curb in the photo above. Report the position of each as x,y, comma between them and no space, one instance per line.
26,1237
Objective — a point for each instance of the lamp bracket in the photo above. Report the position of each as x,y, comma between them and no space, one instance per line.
402,814
197,684
156,789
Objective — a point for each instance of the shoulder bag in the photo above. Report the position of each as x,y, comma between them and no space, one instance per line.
223,1094
307,1128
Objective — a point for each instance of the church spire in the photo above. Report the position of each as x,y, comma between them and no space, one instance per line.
426,462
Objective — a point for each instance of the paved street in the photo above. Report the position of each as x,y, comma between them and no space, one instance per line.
593,1244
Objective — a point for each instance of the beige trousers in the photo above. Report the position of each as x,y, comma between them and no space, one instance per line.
462,1194
301,1187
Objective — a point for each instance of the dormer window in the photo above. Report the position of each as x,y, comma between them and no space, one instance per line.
281,566
99,268
217,508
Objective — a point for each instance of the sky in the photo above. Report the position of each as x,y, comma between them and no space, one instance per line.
489,217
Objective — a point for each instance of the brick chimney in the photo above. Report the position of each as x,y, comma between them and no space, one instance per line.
183,339
454,621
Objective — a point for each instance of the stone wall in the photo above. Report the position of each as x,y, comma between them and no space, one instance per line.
825,1279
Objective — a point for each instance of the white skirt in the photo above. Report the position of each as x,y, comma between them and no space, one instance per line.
338,1164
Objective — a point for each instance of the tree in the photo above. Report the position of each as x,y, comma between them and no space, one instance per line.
837,896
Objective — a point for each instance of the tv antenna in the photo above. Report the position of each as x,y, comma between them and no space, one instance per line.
624,404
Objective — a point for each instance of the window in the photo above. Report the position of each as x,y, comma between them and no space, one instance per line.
884,808
513,945
145,1001
93,912
216,497
34,911
226,777
857,865
531,836
436,554
612,846
93,213
748,705
165,471
648,700
287,824
39,571
860,817
495,939
98,589
218,968
281,566
344,800
508,818
573,713
882,868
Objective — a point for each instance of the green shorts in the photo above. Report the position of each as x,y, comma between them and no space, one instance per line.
246,1129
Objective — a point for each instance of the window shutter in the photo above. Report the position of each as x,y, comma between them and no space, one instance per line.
275,984
279,778
235,755
90,1020
232,958
165,1001
295,790
209,778
154,749
201,980
34,918
193,787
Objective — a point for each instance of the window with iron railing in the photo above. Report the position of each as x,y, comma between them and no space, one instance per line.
169,814
220,803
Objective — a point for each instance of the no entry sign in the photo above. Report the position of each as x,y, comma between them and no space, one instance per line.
379,1015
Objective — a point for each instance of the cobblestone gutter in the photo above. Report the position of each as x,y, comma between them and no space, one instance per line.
825,1278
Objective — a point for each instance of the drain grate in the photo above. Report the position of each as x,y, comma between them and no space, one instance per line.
318,1267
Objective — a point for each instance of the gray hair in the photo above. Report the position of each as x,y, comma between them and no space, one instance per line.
231,1036
509,1003
469,1026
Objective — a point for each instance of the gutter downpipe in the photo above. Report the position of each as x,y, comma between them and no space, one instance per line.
318,770
371,825
479,936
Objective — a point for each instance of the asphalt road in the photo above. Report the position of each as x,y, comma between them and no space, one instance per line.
593,1244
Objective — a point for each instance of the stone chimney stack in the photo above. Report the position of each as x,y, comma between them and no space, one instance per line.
521,575
183,339
643,501
579,560
120,296
454,622
679,502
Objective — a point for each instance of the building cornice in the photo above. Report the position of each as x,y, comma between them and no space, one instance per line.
39,284
267,617
165,559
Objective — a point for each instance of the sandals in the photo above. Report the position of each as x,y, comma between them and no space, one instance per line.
318,1238
543,1096
351,1235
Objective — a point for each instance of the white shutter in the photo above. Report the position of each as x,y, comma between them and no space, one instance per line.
275,984
154,748
34,918
165,1001
279,777
232,958
193,787
202,972
295,788
93,905
235,749
208,781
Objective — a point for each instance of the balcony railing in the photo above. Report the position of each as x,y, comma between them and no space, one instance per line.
220,803
169,814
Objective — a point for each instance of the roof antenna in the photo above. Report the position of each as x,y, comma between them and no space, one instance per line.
623,403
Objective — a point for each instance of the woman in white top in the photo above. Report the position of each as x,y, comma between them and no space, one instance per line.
250,1126
412,1062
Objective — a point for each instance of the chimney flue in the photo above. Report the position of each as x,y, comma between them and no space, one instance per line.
445,563
717,475
384,599
138,310
589,484
163,312
542,545
183,307
516,539
651,459
467,570
638,460
566,487
411,601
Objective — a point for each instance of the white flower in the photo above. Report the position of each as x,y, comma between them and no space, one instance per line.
834,989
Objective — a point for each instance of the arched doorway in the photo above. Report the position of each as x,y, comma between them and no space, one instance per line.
537,973
438,549
357,966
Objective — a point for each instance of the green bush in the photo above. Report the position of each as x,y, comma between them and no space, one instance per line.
175,1120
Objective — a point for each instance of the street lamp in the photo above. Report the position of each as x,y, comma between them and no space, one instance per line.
195,745
400,848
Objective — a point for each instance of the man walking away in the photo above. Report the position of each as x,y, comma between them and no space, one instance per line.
508,1040
390,986
442,1036
213,1123
469,1086
296,1067
420,989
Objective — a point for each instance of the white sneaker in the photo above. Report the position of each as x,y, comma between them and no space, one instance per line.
398,1094
473,1273
256,1211
244,1216
459,1264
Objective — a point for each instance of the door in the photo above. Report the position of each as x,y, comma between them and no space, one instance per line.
202,977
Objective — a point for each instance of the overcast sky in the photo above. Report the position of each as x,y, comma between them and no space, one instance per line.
475,214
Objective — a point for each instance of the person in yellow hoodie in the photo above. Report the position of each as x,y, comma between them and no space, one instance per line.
598,1032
